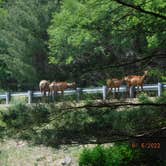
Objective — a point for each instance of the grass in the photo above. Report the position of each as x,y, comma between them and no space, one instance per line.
20,153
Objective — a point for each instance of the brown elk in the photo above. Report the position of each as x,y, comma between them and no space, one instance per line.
53,88
44,87
61,86
114,83
136,80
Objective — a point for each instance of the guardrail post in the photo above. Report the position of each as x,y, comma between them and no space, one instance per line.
7,97
29,97
104,92
160,88
132,91
78,92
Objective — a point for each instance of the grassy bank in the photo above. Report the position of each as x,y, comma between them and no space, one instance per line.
21,153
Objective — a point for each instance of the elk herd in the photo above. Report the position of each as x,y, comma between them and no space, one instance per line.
131,80
53,87
114,83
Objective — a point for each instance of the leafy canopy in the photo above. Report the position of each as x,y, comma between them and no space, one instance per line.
88,29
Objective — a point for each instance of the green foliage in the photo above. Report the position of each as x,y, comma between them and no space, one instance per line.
50,124
97,156
82,32
158,75
118,154
79,34
70,120
162,99
21,116
2,126
143,98
23,52
71,29
18,100
16,116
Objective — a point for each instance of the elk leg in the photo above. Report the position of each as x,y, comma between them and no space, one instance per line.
48,92
138,88
52,95
44,96
118,92
48,98
56,94
114,92
128,91
108,91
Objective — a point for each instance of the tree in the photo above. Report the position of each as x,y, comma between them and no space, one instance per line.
23,52
85,31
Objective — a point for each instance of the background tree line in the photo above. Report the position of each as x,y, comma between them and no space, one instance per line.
85,41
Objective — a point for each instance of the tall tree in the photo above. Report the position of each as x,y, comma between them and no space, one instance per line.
23,51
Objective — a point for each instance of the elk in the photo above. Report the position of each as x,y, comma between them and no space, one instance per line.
61,86
53,88
136,80
44,87
114,83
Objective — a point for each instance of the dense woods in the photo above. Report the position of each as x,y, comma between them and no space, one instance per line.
23,48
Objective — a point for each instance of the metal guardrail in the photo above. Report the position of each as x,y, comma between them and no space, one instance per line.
103,90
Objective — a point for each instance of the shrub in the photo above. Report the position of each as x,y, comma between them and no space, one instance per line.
94,157
19,100
23,116
143,98
119,155
162,99
100,156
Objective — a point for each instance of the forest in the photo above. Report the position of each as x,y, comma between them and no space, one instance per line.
86,42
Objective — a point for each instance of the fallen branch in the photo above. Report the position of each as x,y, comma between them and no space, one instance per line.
114,105
112,137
